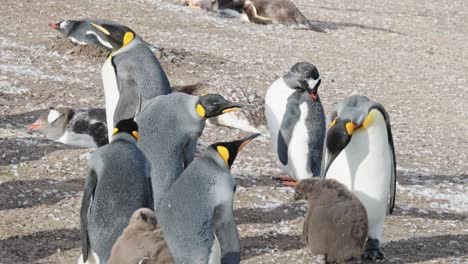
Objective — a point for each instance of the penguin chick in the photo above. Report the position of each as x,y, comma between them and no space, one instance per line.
82,128
336,221
197,214
142,241
296,121
359,152
170,126
251,119
116,186
131,75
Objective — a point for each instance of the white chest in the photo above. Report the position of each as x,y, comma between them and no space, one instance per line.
298,149
111,93
79,140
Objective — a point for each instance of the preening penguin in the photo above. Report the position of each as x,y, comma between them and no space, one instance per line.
296,122
170,126
359,153
131,75
205,193
116,186
141,242
82,128
336,221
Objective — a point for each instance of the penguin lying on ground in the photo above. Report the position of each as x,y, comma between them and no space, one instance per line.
116,186
296,122
251,119
360,154
82,128
336,221
196,215
131,75
142,241
82,31
170,126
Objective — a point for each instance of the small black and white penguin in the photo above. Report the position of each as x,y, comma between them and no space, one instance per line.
131,75
250,119
82,128
359,153
117,185
296,122
196,215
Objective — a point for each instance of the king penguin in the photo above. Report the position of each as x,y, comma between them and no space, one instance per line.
170,126
296,122
132,74
359,153
116,186
197,216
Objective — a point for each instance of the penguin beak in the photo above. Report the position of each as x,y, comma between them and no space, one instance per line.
33,126
330,158
313,87
243,142
54,25
230,107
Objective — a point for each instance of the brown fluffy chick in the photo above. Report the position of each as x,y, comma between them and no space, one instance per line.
142,242
336,223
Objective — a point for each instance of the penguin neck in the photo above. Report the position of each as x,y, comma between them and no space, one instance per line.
127,47
212,154
124,137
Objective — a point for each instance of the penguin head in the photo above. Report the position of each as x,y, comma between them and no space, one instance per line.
304,76
65,26
228,150
118,36
341,130
52,122
128,126
211,105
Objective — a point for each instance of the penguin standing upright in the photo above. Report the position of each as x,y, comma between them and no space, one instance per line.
131,75
170,126
296,122
197,212
116,186
359,153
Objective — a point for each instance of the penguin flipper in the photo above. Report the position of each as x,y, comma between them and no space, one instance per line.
189,151
391,200
88,193
226,232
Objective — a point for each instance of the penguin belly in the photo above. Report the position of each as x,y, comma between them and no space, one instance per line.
365,167
276,101
92,258
75,139
111,93
215,256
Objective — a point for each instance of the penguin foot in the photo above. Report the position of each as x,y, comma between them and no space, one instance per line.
373,251
286,180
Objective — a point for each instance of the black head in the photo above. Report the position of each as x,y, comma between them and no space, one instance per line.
210,105
65,26
118,36
127,126
228,150
304,76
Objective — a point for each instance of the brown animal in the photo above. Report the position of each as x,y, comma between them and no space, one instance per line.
142,242
336,223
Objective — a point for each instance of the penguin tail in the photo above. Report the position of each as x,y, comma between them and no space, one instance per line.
89,187
192,89
309,25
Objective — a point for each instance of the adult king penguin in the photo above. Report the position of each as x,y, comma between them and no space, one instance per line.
296,122
169,127
197,216
117,185
131,75
360,154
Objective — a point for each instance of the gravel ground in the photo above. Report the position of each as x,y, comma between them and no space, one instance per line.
409,55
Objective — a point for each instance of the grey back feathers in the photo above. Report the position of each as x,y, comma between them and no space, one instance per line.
204,192
117,184
140,78
142,241
169,128
336,223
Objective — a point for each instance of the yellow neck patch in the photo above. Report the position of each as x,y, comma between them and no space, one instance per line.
136,135
128,37
115,131
332,123
350,126
368,120
200,110
224,153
